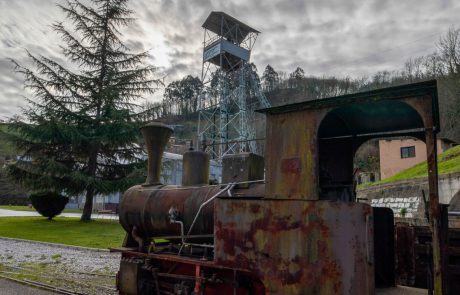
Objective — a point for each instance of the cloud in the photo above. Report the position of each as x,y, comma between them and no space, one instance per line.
324,37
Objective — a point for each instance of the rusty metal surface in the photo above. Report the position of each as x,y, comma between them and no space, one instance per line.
131,252
291,155
426,106
242,167
389,93
284,233
156,136
298,247
415,257
170,272
195,168
127,278
435,212
297,134
405,256
147,208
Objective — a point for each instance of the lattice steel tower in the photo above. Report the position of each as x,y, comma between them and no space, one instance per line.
231,89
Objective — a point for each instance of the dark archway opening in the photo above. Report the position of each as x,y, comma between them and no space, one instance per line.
345,128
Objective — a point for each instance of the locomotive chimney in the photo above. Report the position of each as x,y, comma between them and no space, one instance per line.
156,136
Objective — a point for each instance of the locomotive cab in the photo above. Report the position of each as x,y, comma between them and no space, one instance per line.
299,230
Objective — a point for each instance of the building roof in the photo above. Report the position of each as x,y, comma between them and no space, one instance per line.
372,112
213,24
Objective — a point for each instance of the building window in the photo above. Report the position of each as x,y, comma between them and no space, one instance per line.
408,152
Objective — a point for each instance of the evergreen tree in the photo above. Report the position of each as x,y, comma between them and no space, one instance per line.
78,135
296,77
270,78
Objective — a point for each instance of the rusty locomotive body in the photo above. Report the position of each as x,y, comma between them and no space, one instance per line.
286,224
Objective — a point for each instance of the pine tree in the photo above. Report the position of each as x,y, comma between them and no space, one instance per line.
79,132
270,78
296,77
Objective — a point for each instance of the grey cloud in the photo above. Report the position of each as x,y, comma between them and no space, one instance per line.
11,98
353,37
178,39
178,71
292,7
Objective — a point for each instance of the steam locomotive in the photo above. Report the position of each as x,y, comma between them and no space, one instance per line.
286,224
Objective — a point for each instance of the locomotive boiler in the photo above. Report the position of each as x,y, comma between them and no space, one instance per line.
288,223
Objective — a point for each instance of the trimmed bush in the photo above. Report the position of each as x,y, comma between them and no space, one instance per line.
48,204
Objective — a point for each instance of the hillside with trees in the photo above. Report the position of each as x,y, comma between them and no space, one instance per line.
281,87
179,105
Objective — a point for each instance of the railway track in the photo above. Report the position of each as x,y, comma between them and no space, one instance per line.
72,283
41,286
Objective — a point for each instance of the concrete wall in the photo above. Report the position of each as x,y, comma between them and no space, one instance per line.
408,194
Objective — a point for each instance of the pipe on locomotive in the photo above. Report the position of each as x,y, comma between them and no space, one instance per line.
225,189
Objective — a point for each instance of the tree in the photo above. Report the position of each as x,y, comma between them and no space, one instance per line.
413,69
432,66
449,50
449,47
367,157
78,135
296,77
183,95
270,78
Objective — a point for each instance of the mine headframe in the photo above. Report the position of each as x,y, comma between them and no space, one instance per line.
231,90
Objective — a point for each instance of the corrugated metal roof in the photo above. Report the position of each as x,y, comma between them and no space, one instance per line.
213,24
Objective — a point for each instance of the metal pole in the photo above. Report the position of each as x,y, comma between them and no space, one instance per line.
200,136
431,149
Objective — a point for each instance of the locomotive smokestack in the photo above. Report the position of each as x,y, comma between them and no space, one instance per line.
156,136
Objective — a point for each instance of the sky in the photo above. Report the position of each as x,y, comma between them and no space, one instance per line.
352,38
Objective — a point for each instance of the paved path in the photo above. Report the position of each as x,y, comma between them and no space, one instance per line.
12,213
8,287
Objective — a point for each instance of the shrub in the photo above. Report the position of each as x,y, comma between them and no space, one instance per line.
403,212
48,204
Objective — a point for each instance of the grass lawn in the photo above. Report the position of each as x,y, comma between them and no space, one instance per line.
27,208
64,230
448,162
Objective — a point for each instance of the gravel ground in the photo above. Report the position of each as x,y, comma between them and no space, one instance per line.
11,288
15,252
62,266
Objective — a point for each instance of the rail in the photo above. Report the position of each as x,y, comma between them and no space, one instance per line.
68,284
